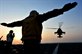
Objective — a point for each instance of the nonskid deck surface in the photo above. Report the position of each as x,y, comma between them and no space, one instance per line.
47,48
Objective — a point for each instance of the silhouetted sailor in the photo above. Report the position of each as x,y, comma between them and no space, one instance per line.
32,27
10,37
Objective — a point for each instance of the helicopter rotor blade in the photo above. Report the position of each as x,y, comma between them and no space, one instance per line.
60,24
52,28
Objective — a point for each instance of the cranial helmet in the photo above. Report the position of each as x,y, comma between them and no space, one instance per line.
11,31
34,12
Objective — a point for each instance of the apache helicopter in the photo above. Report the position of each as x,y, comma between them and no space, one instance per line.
59,30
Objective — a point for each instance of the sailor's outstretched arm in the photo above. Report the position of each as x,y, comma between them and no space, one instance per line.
13,24
57,12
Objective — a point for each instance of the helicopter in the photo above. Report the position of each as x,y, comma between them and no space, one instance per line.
59,31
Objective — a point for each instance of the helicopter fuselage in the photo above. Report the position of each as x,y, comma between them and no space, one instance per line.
59,32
